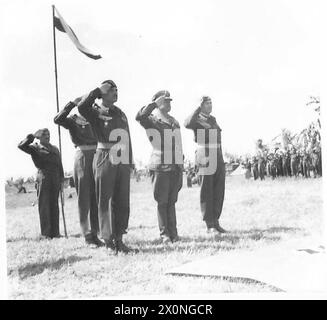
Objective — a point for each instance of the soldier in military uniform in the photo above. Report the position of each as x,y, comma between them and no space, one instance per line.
286,164
212,185
315,160
248,173
255,170
279,158
306,164
85,143
112,176
167,176
261,156
50,177
294,163
273,166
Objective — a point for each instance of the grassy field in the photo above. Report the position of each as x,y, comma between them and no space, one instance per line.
257,213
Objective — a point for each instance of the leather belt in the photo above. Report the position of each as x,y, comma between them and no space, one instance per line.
213,145
109,145
86,147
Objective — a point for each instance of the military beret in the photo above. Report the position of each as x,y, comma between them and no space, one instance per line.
113,85
160,93
204,99
39,133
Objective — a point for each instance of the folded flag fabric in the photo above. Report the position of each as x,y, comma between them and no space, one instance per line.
62,26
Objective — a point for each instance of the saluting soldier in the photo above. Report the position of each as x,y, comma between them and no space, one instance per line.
286,164
83,138
212,185
167,176
248,173
261,154
294,163
50,177
255,170
110,167
306,164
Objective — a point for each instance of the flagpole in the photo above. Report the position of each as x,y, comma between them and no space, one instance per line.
57,98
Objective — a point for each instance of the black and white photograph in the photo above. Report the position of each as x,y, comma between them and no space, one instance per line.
158,150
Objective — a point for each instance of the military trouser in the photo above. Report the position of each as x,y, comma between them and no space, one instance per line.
212,194
287,169
261,168
166,186
294,168
306,169
112,187
48,187
255,171
85,188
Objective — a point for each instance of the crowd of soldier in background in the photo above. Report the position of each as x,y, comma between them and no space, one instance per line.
284,163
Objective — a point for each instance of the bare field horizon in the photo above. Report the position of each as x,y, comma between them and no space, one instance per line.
256,213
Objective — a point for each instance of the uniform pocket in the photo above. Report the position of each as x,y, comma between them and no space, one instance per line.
79,163
100,158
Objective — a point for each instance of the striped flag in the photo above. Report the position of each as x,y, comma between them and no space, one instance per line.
62,26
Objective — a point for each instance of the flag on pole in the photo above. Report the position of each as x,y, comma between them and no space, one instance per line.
62,26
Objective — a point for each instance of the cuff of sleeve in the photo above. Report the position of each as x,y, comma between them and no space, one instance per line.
70,105
96,93
30,137
152,106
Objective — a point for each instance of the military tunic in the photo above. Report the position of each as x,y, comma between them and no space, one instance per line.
85,143
112,180
212,185
167,178
49,177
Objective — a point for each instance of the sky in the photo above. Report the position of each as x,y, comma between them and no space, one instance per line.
259,61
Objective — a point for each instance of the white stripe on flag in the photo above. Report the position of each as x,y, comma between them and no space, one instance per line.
73,37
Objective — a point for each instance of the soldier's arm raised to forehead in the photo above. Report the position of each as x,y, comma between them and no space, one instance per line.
24,145
191,121
85,105
62,117
143,116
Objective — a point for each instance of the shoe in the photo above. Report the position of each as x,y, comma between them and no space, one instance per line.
220,229
97,241
165,239
42,237
110,245
213,231
121,247
93,240
175,239
89,239
57,236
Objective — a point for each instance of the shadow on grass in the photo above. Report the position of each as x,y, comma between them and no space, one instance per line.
40,238
225,242
22,238
34,269
230,279
142,227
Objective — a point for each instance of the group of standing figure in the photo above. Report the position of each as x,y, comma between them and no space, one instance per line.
290,163
103,184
